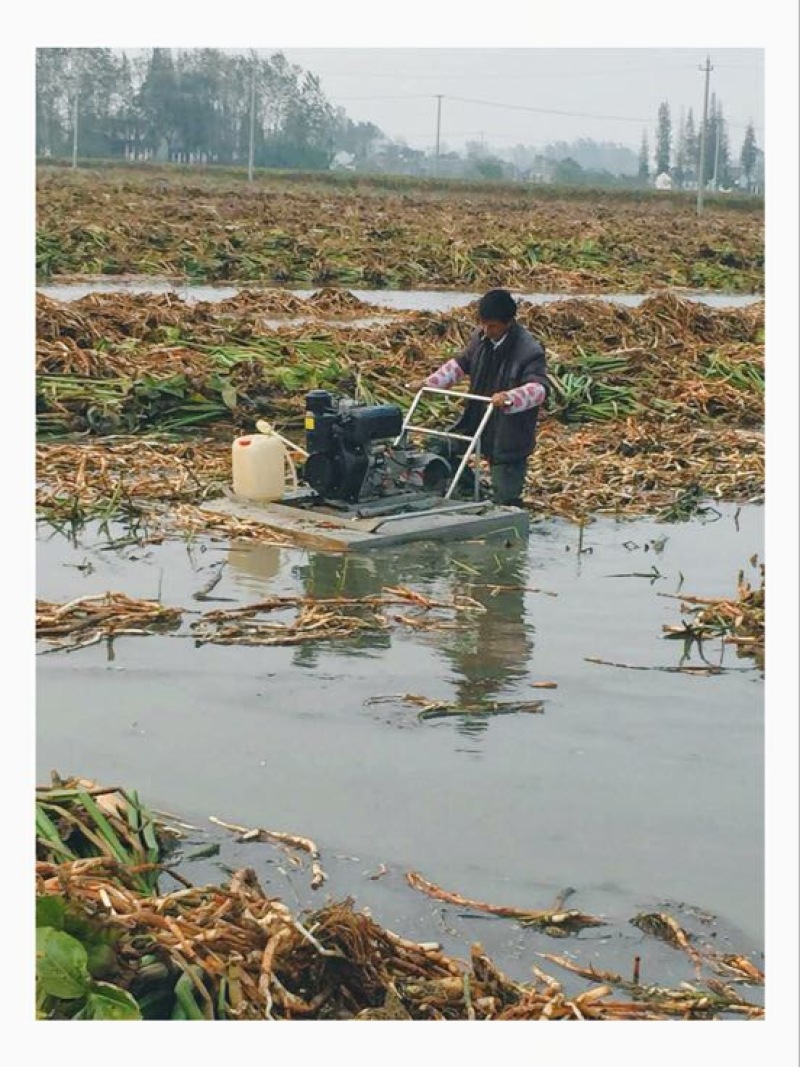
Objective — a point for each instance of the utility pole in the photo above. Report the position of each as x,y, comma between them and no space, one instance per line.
438,131
702,165
75,73
252,117
75,130
717,139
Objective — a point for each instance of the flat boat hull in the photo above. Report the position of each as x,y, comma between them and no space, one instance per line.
327,529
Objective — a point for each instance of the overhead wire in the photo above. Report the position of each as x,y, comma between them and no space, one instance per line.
526,107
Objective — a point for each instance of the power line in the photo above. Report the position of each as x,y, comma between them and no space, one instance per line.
372,96
575,114
525,107
546,111
495,103
528,75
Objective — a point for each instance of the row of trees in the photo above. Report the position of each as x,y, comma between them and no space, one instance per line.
679,157
211,106
199,105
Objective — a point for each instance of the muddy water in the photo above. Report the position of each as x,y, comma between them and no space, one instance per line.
635,787
396,300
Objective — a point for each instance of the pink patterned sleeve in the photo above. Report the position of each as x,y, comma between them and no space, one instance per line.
525,396
448,374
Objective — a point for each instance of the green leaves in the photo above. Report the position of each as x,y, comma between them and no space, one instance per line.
62,973
106,1001
70,825
62,968
579,397
50,912
743,373
186,1006
66,967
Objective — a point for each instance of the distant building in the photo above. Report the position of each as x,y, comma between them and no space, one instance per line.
541,172
663,181
343,161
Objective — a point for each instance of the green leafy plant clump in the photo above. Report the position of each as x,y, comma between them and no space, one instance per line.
73,959
88,966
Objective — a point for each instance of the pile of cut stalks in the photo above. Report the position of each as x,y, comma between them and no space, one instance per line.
277,230
112,944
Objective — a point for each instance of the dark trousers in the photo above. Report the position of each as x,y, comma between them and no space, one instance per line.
507,479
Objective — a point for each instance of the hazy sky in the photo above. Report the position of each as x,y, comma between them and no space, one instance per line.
516,72
531,96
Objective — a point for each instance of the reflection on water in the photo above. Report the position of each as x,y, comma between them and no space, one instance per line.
323,577
493,653
254,561
489,650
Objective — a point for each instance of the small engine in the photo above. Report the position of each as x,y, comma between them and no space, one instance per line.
351,457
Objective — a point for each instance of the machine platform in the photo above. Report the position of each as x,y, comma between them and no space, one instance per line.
363,486
333,529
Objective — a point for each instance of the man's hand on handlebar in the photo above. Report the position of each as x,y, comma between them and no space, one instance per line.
499,400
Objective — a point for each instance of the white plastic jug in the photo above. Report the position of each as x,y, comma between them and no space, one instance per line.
259,466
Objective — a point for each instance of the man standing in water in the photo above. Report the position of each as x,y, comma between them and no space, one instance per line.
506,363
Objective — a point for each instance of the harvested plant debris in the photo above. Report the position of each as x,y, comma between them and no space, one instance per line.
654,408
112,945
274,231
738,622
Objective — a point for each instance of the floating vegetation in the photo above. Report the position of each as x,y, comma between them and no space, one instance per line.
111,945
547,918
212,228
289,842
708,999
439,709
697,672
105,616
738,622
330,618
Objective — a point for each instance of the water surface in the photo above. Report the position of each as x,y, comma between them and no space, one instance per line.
633,786
394,299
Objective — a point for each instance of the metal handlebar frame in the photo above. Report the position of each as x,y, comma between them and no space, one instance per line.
473,445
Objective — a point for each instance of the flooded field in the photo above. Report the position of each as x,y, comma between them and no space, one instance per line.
548,747
636,784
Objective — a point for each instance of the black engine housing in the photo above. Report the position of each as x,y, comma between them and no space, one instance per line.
342,463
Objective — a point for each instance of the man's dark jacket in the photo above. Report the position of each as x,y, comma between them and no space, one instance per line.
519,359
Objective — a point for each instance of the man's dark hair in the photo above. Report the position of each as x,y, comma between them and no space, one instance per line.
498,305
